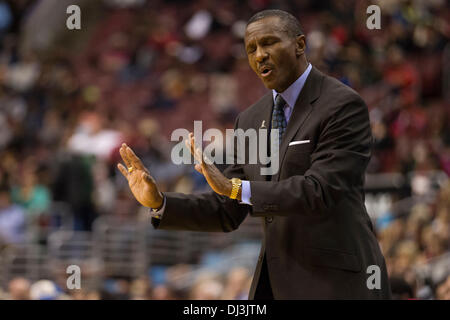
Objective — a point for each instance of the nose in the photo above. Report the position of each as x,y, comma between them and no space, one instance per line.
261,54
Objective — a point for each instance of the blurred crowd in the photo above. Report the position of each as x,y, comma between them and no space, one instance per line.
137,70
234,286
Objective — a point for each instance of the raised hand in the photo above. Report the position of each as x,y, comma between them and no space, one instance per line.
141,183
216,180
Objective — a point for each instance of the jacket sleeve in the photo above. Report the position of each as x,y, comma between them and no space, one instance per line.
338,165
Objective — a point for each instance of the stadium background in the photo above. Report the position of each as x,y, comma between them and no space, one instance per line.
136,71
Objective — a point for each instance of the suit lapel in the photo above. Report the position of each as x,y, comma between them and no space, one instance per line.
265,111
263,116
303,108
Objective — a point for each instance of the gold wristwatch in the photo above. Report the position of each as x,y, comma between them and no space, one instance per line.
236,186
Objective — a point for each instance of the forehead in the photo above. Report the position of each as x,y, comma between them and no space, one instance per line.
265,27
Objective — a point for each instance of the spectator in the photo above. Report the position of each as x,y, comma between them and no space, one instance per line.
44,290
163,292
236,287
33,197
207,289
443,290
12,219
19,289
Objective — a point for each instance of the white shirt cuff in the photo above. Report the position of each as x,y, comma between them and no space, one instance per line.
246,193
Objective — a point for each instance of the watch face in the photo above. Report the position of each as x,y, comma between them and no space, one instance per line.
236,180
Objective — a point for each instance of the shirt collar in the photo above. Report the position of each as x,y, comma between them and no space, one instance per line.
290,95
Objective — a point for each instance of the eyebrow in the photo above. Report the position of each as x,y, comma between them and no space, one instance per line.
266,37
271,36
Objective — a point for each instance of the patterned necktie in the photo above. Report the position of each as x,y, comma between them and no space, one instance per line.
278,118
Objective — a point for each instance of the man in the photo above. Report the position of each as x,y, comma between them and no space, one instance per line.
12,219
19,289
319,240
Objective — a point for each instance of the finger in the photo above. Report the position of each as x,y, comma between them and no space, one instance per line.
199,155
199,168
123,170
124,155
190,144
196,151
135,161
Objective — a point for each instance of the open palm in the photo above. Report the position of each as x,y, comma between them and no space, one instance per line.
216,180
141,183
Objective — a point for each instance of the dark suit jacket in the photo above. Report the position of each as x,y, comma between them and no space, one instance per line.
318,238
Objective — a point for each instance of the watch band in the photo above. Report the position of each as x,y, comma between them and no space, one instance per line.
236,186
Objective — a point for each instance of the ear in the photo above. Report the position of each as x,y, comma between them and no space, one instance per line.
300,45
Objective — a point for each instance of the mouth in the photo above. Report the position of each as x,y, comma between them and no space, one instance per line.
265,71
